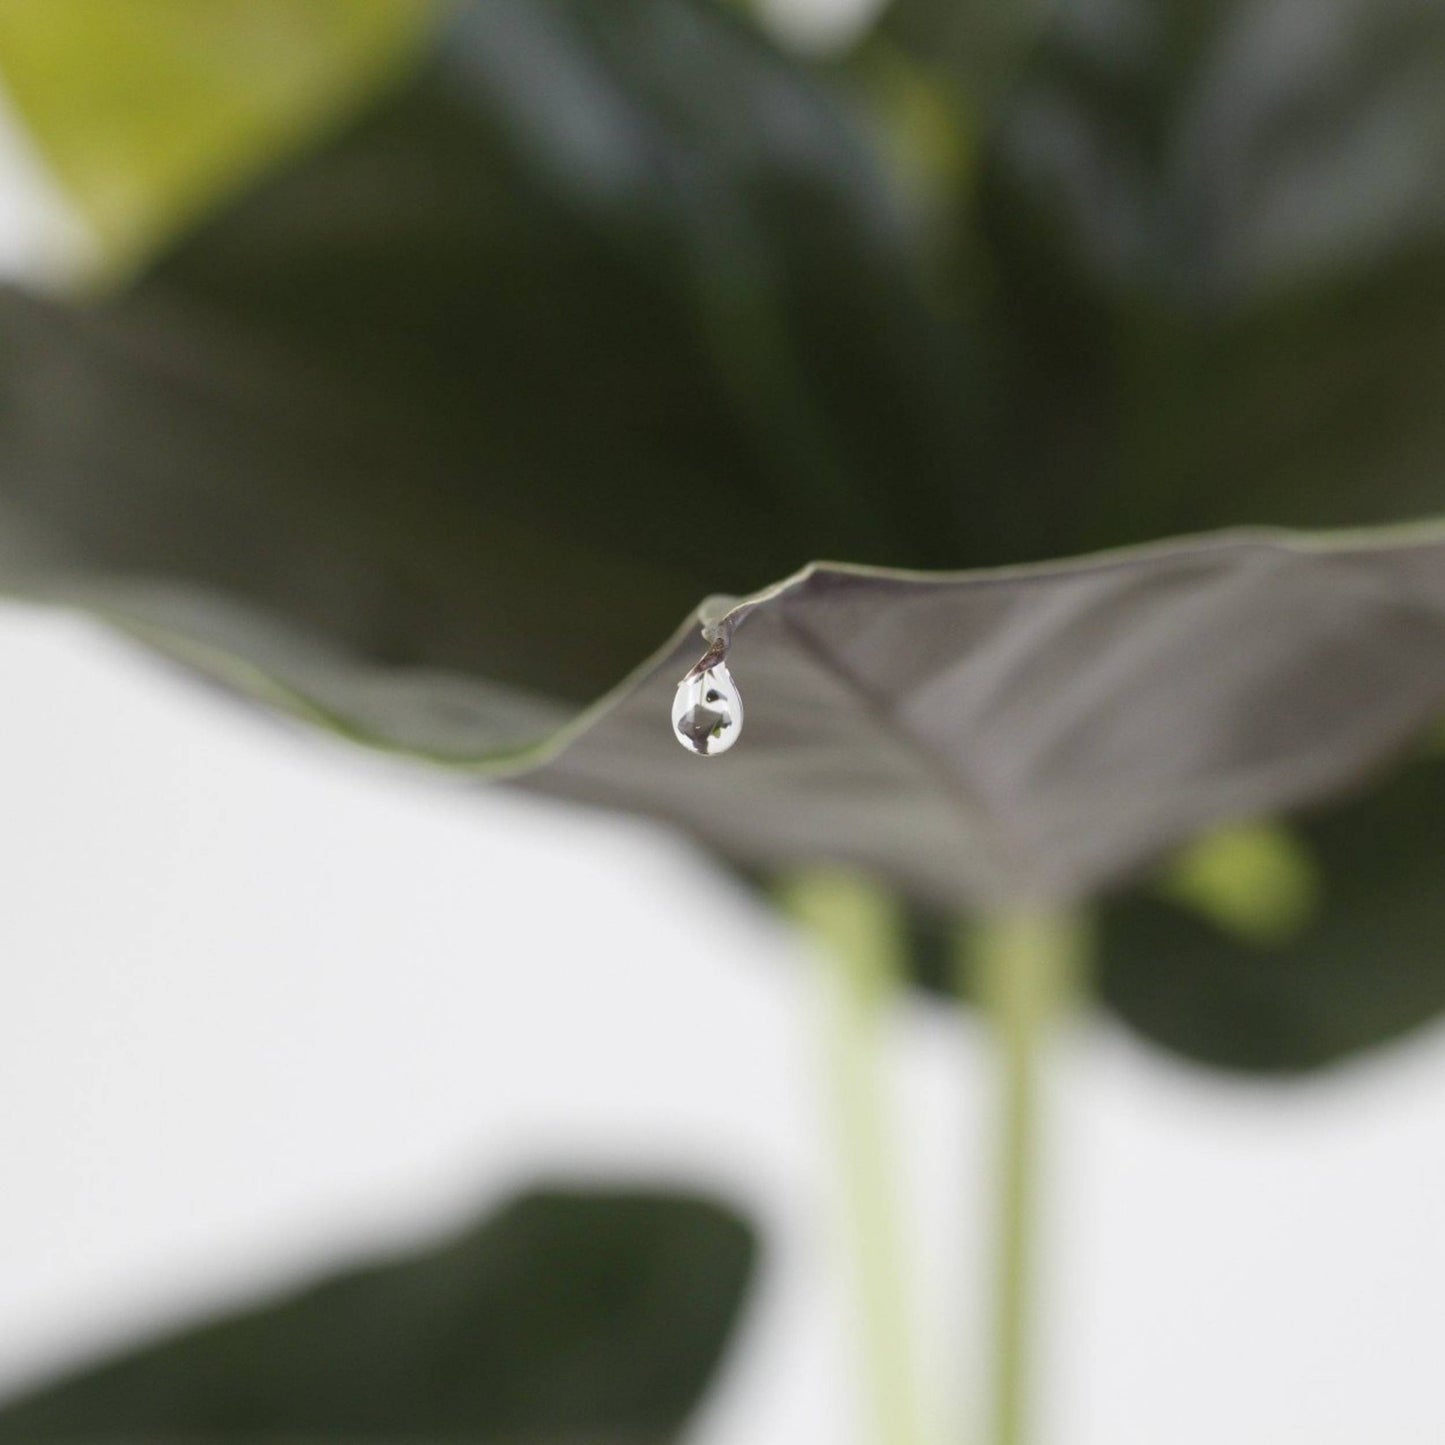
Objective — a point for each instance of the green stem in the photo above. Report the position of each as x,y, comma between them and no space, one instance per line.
1023,966
869,1176
859,924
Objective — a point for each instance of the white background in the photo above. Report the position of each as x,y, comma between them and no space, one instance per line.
267,1003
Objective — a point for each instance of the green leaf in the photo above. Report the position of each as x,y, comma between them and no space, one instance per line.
1212,270
1038,733
1365,967
151,111
977,47
435,435
463,393
1254,880
566,1317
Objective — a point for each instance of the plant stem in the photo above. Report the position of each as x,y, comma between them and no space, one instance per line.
869,1179
860,926
1023,966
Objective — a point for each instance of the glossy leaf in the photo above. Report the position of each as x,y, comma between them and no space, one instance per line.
566,1317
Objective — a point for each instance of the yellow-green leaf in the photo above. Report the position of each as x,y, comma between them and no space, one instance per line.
150,111
1254,880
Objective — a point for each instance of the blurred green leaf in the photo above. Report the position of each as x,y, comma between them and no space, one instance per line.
1212,276
1255,880
435,435
1366,966
976,47
150,111
566,1317
480,390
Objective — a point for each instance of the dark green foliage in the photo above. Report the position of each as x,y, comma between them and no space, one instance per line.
1212,282
538,353
566,1317
1366,968
443,427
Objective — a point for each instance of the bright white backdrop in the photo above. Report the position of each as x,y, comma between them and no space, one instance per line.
266,1003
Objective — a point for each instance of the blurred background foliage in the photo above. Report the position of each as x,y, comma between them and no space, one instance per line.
483,340
563,1317
544,322
149,115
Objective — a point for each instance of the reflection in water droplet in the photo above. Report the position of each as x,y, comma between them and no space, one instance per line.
707,713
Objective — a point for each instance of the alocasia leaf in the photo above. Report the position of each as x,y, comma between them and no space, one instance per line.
1038,734
472,390
565,1318
436,434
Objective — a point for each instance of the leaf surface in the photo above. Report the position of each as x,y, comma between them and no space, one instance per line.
1039,733
438,431
565,1318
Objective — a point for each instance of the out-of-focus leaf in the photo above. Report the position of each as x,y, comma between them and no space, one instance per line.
565,1318
1367,964
605,313
500,384
436,434
1212,284
1255,880
976,47
149,111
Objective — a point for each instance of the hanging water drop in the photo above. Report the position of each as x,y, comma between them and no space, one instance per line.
707,713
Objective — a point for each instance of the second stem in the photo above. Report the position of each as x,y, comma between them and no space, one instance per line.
1021,966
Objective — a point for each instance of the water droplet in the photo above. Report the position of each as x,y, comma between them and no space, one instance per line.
707,713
